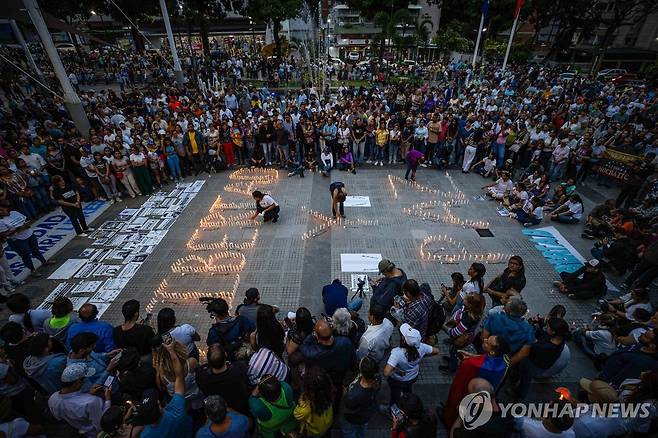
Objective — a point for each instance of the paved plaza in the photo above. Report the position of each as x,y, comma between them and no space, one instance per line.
289,265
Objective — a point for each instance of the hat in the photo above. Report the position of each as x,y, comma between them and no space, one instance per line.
593,263
249,114
603,392
411,335
76,371
251,293
148,409
385,265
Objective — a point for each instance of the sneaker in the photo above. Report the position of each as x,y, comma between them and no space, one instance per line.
90,229
527,224
290,174
423,165
119,199
381,164
83,235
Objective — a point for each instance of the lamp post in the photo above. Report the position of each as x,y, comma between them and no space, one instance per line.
178,71
71,99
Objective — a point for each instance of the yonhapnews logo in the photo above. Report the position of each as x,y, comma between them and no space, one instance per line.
475,409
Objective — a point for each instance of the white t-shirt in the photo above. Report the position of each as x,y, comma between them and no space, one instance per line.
86,163
37,317
470,287
535,429
398,359
489,164
503,186
539,213
576,208
137,158
13,221
183,334
267,201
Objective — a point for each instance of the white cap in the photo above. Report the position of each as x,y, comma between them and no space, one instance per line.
593,263
411,335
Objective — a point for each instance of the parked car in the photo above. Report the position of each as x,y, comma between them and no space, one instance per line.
353,56
609,73
65,47
623,79
336,62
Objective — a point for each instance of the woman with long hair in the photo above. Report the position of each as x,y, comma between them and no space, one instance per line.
267,341
461,328
299,329
475,285
403,365
165,376
511,279
314,410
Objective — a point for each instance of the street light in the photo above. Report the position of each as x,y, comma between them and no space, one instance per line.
92,12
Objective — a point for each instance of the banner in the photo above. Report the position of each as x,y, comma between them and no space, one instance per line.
616,165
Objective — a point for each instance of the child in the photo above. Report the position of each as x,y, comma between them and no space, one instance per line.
486,166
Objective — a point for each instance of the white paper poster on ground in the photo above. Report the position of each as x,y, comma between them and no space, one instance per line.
68,269
129,270
87,287
359,262
357,201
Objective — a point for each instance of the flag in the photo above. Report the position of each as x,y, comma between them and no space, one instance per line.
485,7
519,5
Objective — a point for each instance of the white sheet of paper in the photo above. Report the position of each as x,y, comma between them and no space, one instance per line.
87,287
86,270
115,283
129,270
68,269
359,262
357,201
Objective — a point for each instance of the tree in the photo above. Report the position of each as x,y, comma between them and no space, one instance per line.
370,8
275,12
70,11
388,24
451,39
200,11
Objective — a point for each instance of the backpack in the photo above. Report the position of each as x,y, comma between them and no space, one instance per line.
437,315
232,346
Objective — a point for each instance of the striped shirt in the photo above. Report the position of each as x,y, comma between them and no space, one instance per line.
263,362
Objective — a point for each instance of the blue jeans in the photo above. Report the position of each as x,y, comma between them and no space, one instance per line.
379,153
566,219
556,171
393,152
173,163
499,150
370,144
26,249
351,430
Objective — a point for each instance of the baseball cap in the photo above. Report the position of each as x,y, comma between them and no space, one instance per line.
385,265
593,263
76,371
411,335
602,391
148,409
251,293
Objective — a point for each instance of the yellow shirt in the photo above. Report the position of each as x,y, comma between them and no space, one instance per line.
193,145
381,136
311,423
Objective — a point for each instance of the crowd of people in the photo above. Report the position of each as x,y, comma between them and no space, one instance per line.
534,139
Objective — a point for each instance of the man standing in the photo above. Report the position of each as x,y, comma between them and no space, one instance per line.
434,129
195,147
376,340
359,140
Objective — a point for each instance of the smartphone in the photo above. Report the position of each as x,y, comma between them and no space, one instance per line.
397,413
117,357
108,381
147,320
166,338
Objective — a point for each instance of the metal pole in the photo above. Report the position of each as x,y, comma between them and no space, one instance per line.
71,99
21,41
509,44
477,43
178,71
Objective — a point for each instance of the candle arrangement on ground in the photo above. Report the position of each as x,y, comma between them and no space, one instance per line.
329,222
453,252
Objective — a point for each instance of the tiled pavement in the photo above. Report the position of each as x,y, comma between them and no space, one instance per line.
290,271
